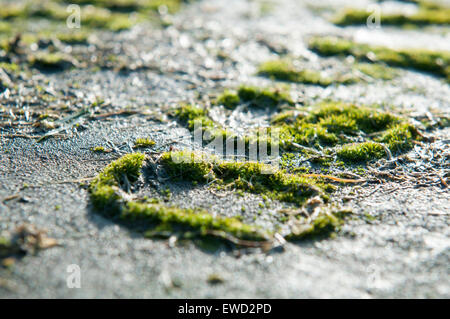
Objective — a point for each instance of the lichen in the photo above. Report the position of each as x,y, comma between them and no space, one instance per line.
435,62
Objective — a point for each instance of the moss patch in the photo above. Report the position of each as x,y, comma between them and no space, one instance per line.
324,224
423,60
248,176
426,15
50,61
376,70
361,152
284,70
255,97
329,124
106,189
143,143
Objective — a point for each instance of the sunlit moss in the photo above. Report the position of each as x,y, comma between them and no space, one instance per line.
255,97
199,221
284,70
420,59
73,38
99,149
376,71
106,188
399,137
424,16
249,176
50,61
143,143
190,114
361,152
324,224
327,124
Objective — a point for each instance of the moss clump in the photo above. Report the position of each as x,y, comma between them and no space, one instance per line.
361,152
328,124
132,5
187,165
200,221
229,99
144,143
7,248
248,176
424,16
284,70
9,67
423,60
376,71
321,225
106,188
50,61
99,149
189,114
399,138
255,97
73,38
5,27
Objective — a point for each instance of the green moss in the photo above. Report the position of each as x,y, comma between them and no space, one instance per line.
399,138
191,220
424,16
13,10
143,143
105,191
8,248
322,225
327,124
132,5
104,188
5,27
376,71
228,99
434,62
248,176
99,149
333,114
189,114
73,38
187,165
284,70
255,97
9,67
361,152
50,61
